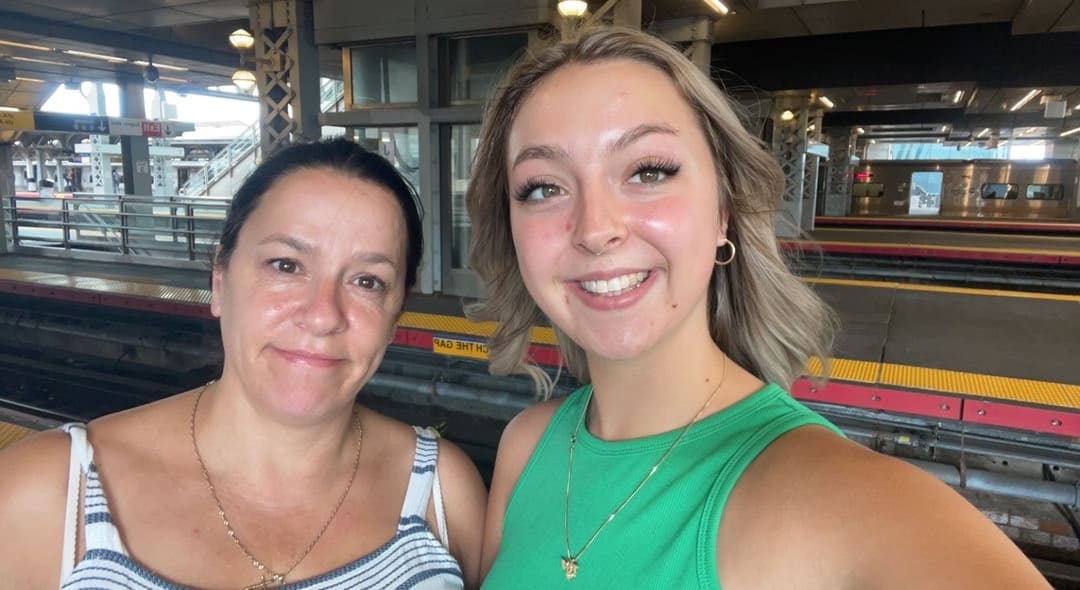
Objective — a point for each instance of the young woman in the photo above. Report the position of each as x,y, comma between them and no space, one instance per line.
616,194
270,476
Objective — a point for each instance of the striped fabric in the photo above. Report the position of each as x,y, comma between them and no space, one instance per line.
413,558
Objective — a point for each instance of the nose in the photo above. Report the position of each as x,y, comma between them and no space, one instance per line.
600,223
322,312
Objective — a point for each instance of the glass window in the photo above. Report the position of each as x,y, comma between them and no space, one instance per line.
463,142
999,190
383,74
925,194
476,64
400,145
868,189
1045,192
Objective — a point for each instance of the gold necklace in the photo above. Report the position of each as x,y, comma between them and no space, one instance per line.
269,578
569,561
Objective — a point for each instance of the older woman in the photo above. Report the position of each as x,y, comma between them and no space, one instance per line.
616,193
271,475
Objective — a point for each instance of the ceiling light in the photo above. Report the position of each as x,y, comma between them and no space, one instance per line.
111,58
718,6
244,80
22,79
983,132
825,101
171,79
10,109
25,45
860,130
1070,132
956,98
141,62
1027,98
39,61
573,8
241,39
787,116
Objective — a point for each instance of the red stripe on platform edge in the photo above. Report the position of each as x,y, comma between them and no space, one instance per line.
196,310
877,398
935,252
1049,420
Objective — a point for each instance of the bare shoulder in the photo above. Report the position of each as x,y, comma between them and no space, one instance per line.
33,493
843,516
465,499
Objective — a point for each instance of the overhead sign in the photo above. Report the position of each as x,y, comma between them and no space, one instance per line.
28,121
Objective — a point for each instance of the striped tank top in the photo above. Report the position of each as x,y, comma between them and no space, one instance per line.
414,558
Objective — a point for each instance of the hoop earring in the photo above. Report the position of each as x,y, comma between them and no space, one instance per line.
729,259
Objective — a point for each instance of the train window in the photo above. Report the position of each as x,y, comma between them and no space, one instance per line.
999,190
868,189
1045,192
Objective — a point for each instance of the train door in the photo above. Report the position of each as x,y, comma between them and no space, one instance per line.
924,194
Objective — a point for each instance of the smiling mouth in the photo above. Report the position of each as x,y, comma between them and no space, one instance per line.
614,286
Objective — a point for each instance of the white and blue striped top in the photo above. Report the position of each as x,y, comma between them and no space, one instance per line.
413,558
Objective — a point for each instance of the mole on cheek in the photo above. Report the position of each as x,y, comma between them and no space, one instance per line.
568,226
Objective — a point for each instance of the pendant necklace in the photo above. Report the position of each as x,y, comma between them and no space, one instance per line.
570,560
270,578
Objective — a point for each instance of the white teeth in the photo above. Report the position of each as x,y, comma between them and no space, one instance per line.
616,285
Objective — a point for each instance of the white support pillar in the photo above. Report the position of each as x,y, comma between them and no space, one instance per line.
101,179
838,189
789,142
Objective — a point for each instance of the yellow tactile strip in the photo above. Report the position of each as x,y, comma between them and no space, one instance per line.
846,370
941,289
1045,393
11,434
148,290
908,245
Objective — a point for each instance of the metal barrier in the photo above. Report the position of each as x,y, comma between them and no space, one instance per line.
166,231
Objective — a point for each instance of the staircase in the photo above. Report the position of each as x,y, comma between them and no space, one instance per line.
245,148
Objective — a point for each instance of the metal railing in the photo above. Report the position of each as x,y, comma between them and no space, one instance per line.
222,163
154,230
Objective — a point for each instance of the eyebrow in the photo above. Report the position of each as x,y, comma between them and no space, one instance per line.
306,248
549,152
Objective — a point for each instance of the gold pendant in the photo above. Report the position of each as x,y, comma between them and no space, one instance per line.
569,565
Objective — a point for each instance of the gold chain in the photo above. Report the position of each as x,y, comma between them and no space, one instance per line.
569,561
269,577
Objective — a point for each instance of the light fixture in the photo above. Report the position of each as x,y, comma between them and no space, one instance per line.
25,45
860,130
956,98
244,80
825,101
140,62
718,6
109,58
39,61
573,8
983,132
22,79
10,109
241,39
1027,98
177,80
787,115
1070,132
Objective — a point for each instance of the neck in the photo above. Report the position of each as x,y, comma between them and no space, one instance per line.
658,391
241,445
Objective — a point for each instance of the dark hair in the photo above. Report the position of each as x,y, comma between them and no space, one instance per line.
339,155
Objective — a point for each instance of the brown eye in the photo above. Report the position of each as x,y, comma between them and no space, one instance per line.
284,265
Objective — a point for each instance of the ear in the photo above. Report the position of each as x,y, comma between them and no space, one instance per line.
722,225
216,286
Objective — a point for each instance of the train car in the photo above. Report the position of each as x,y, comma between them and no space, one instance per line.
976,188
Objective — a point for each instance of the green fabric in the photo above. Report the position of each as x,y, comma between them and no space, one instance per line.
666,536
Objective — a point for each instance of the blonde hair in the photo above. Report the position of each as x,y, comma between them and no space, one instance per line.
760,314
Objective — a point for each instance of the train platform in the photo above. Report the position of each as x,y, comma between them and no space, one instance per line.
979,224
1056,250
996,358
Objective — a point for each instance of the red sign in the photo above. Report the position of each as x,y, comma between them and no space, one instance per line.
863,176
151,129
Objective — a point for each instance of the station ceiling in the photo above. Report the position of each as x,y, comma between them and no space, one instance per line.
44,43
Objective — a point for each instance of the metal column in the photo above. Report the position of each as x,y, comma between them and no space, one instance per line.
287,72
101,179
813,165
7,189
134,151
789,143
838,189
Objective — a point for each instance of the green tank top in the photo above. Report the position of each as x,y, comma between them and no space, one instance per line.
666,536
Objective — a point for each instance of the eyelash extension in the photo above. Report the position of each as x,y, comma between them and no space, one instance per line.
668,167
522,193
